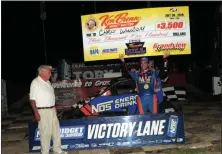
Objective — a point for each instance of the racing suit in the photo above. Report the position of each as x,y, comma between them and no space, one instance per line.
149,88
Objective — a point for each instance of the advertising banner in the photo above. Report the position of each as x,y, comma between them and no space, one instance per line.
114,103
136,33
115,132
69,92
82,71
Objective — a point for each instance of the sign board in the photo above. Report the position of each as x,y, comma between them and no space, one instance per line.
82,71
115,132
69,92
136,33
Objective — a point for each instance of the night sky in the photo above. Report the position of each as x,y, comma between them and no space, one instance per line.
22,35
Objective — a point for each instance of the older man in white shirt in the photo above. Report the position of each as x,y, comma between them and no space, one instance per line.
42,99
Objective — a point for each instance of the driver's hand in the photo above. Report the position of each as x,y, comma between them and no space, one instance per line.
166,54
121,57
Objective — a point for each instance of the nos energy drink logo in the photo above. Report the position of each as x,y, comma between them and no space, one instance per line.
67,132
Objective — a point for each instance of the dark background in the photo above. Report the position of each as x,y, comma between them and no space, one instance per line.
22,35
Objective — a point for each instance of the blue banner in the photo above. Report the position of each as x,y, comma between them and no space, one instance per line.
113,103
115,132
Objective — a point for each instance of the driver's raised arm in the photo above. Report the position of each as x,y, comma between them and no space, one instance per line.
126,69
163,72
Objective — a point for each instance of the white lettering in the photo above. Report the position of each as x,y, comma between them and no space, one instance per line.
115,130
73,84
106,106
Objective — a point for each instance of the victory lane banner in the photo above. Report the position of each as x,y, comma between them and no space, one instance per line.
136,33
115,132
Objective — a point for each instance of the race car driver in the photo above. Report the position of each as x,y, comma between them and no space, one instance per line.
149,85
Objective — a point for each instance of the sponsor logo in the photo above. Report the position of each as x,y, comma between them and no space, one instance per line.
79,146
172,129
106,106
179,34
93,145
35,148
135,48
166,141
109,144
118,21
169,47
69,132
173,9
118,103
94,50
112,50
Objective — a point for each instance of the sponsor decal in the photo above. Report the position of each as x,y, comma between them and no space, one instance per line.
94,50
126,129
173,9
94,145
169,46
64,147
69,132
116,103
166,141
118,21
79,146
172,128
135,47
112,50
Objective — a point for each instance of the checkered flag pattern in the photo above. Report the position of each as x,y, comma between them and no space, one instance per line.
219,82
175,93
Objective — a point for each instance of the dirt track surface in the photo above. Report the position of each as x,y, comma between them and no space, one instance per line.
202,129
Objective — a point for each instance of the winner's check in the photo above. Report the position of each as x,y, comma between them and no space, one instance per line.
136,33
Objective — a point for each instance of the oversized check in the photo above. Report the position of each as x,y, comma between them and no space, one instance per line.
136,33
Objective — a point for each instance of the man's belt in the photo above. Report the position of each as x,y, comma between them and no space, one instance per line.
45,107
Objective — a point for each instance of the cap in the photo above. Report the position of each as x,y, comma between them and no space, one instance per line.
144,59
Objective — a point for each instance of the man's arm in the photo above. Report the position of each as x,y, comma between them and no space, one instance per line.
127,70
163,71
32,98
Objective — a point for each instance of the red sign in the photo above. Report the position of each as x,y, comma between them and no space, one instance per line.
69,92
169,46
119,20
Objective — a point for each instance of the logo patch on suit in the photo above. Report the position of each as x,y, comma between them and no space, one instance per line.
146,86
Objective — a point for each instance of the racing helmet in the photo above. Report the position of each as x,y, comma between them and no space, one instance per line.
144,59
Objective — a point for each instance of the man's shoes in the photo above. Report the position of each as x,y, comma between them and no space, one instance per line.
63,152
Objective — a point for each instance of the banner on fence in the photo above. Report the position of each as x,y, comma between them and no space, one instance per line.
136,33
69,92
115,132
82,71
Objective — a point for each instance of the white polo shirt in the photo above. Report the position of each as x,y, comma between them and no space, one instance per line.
42,92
